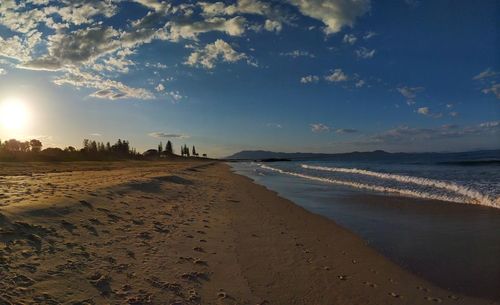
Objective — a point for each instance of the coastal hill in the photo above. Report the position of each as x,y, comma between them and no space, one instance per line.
463,158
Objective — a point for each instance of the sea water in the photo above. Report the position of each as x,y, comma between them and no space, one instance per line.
440,221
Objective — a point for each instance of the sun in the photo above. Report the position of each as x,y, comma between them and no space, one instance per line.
14,114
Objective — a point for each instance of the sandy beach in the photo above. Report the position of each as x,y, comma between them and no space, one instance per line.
186,232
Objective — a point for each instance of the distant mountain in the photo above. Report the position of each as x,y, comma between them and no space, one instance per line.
483,155
262,154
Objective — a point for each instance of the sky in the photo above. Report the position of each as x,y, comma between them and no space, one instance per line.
290,75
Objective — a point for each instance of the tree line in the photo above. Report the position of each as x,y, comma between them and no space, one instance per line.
168,150
15,150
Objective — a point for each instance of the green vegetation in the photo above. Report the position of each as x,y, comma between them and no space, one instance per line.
14,150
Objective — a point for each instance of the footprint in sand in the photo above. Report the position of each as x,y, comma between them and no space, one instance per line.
395,295
198,261
23,281
433,299
221,294
95,221
144,235
91,229
194,276
373,285
86,204
198,249
137,222
68,226
142,299
101,282
422,288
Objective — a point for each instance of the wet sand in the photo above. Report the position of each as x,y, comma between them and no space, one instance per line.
182,233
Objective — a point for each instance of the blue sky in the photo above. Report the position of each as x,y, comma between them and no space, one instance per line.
296,75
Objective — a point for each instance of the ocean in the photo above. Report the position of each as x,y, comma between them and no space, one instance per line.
440,221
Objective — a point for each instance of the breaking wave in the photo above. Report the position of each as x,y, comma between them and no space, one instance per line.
456,193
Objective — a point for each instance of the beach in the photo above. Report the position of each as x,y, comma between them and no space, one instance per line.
184,232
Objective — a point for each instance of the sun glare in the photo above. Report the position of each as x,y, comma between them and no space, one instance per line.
13,114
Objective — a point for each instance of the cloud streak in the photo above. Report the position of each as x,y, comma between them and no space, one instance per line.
166,135
319,127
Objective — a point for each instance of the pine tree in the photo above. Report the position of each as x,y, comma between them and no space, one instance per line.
168,148
160,149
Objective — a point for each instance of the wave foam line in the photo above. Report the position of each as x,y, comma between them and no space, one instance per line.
377,188
474,195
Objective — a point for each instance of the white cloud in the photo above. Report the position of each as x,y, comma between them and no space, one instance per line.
156,65
84,50
454,113
360,83
274,17
350,39
107,89
75,48
214,52
319,127
345,130
425,111
493,89
117,64
489,82
166,135
298,53
337,76
408,135
154,4
309,79
254,7
369,35
485,74
273,26
491,124
410,93
18,18
365,53
175,96
81,12
274,125
3,71
160,88
19,48
235,26
335,14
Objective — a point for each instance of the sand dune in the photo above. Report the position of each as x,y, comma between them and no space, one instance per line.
182,233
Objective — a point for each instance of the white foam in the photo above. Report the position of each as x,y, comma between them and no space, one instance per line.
464,195
472,194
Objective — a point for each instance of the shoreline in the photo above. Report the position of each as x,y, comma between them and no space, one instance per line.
187,233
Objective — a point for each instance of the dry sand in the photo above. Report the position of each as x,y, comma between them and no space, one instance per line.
181,233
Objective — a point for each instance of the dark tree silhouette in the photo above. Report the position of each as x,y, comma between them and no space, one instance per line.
160,148
14,145
14,150
36,145
168,148
184,151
